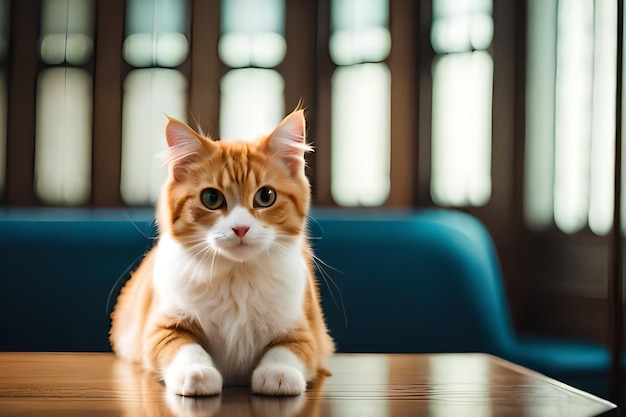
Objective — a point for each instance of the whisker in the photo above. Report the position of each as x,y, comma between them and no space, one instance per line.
142,232
209,252
338,301
202,253
215,253
199,249
134,264
312,220
123,275
324,264
279,247
320,266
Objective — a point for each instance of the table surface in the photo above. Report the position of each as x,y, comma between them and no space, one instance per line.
369,385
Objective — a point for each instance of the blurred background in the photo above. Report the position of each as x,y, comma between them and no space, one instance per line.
504,109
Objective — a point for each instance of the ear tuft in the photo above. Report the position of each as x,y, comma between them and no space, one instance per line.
288,141
182,143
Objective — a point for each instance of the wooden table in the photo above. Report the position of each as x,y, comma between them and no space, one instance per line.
98,384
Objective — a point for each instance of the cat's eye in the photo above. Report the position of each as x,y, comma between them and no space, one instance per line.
212,199
265,197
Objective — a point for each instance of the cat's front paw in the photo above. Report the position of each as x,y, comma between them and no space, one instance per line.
277,379
194,380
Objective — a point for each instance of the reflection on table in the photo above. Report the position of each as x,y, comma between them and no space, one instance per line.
369,385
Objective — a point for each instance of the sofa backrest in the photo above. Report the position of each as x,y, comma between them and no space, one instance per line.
59,274
420,282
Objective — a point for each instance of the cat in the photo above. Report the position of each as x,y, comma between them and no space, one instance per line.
228,294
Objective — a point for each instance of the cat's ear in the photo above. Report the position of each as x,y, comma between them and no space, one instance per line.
288,142
183,143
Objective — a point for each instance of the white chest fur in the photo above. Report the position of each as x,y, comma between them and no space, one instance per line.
241,306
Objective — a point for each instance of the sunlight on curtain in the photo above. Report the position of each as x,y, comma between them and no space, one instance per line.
360,131
570,115
252,103
252,43
360,103
63,136
66,31
572,134
252,33
149,94
461,26
359,31
601,196
156,43
64,103
156,33
462,102
461,129
539,160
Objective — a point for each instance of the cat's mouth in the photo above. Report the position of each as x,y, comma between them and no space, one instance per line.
241,250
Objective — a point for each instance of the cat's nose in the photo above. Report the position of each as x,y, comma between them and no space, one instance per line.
241,231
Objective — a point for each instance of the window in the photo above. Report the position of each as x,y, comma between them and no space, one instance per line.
252,44
570,110
64,103
462,70
63,159
155,46
361,88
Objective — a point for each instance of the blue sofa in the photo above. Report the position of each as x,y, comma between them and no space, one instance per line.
424,281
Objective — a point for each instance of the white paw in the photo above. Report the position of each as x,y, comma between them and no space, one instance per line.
194,380
278,379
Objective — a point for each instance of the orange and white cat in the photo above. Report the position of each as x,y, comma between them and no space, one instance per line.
228,294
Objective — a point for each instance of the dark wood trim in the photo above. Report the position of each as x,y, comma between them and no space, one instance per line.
299,66
299,69
107,118
425,62
22,93
325,68
206,68
516,268
503,112
403,65
519,150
